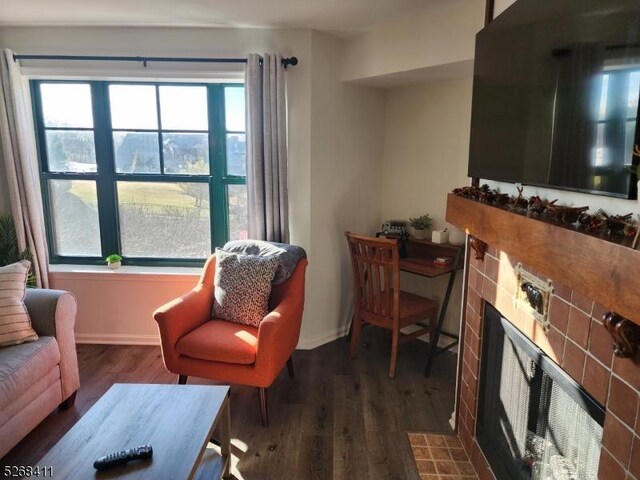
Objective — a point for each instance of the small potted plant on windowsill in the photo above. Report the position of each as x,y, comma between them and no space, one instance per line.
114,261
420,225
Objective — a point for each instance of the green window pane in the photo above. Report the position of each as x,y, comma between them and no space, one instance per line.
164,220
238,221
234,109
71,151
186,153
183,108
133,107
236,154
136,152
66,105
74,218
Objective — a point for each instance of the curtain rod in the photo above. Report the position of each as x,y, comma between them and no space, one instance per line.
144,60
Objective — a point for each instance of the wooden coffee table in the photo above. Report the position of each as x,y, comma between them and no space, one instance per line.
176,420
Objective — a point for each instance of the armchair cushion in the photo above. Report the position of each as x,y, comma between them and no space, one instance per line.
15,324
242,286
221,341
288,255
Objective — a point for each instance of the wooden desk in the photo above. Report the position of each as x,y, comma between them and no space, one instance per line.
422,253
419,261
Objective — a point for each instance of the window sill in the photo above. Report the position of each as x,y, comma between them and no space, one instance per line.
126,270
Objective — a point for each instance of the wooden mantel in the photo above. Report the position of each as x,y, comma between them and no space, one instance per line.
604,271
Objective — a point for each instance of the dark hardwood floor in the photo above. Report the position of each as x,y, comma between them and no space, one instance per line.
338,419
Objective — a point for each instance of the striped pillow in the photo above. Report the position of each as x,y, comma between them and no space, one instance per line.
15,324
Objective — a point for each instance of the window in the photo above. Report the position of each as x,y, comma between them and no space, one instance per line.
617,110
154,171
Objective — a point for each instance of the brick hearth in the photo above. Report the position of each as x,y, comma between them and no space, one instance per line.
577,341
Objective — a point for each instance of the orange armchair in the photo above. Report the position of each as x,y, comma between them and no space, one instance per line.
194,344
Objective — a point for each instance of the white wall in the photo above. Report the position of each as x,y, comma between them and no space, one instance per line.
425,156
500,6
426,142
439,34
116,307
347,125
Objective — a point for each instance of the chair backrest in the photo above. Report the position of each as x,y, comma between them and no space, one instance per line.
376,279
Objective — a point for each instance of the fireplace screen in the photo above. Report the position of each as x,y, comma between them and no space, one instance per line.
534,421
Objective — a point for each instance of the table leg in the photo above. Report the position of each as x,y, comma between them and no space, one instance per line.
225,439
433,345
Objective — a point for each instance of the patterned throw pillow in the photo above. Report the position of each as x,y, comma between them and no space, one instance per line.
242,287
15,324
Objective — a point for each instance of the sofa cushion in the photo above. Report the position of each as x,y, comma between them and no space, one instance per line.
15,324
221,341
22,365
242,286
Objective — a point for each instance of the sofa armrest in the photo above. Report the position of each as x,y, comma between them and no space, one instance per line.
53,313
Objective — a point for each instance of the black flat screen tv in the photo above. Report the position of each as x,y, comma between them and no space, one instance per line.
555,96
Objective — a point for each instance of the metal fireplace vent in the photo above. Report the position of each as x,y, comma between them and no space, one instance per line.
534,421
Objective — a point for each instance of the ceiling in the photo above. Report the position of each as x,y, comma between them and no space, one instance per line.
341,17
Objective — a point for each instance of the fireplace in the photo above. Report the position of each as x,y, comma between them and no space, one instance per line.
590,279
576,342
534,420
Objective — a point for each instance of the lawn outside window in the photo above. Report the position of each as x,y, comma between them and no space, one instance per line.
153,171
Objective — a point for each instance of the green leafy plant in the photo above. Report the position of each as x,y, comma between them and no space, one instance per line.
113,258
422,222
9,252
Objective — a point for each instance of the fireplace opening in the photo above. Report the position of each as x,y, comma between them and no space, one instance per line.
534,420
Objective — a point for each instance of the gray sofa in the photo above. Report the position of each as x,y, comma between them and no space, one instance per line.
37,377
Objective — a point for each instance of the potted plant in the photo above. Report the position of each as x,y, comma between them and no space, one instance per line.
114,261
420,225
9,252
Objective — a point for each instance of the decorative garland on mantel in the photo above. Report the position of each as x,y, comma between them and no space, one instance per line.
619,229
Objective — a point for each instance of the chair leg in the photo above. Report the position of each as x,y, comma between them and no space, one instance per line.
263,406
350,334
68,403
182,379
355,337
290,367
395,338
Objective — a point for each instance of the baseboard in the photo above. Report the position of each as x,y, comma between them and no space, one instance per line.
125,339
311,343
303,344
117,339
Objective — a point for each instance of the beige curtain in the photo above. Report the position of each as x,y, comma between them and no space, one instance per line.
267,148
18,152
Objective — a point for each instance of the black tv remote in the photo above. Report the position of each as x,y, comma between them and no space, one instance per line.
120,458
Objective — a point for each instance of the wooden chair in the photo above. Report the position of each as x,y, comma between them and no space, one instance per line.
378,299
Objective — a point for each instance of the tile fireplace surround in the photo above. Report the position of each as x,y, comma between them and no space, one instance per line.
576,340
